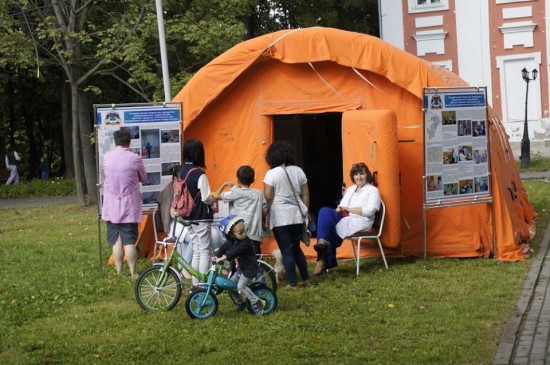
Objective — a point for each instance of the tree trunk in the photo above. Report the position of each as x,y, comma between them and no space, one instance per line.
77,151
68,158
32,156
10,92
88,153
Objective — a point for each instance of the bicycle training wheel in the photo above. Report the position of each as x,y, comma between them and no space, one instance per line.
200,305
155,290
266,276
267,296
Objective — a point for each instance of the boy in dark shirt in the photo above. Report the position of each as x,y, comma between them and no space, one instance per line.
239,246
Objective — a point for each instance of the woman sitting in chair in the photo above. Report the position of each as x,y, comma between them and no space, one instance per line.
355,213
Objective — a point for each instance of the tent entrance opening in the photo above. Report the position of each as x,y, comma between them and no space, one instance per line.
317,139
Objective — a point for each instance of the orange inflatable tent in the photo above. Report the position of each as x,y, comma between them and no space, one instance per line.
336,96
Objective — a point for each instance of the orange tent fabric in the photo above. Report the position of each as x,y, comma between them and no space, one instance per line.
230,103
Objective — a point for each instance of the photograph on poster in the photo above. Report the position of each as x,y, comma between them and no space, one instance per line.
466,186
450,189
150,143
151,197
478,128
449,117
465,153
481,184
134,131
434,183
153,178
450,156
167,168
464,128
435,154
434,132
480,155
170,136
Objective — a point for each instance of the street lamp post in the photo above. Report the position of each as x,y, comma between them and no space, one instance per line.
525,142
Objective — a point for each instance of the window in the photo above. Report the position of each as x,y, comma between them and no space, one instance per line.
448,65
427,2
510,1
418,6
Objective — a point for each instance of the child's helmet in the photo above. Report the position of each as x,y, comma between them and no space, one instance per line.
227,223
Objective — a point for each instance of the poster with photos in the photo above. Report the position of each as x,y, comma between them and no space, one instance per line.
155,131
456,158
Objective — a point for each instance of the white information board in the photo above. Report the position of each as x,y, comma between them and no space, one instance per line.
155,130
456,146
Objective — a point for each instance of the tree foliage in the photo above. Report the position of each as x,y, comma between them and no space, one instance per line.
58,57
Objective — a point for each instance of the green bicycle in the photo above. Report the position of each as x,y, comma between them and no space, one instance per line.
160,286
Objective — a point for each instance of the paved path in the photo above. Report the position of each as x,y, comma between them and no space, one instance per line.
37,202
526,334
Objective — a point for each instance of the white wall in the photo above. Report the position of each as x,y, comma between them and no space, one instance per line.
391,22
474,57
513,90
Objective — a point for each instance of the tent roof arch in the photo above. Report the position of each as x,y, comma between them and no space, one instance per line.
308,46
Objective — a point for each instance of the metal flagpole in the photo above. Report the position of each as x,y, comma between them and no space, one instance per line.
163,55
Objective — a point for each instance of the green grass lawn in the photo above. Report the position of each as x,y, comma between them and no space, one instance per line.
538,163
58,307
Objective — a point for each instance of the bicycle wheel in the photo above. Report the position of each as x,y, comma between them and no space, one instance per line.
197,309
267,296
266,275
155,290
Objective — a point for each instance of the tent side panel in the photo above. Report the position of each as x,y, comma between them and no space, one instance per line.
370,136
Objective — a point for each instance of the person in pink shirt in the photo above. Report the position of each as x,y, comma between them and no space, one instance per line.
123,170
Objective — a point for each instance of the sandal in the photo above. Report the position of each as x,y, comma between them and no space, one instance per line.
321,247
321,267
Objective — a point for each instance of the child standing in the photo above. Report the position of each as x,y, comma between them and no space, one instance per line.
239,246
246,202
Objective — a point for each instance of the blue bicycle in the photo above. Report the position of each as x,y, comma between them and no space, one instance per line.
202,303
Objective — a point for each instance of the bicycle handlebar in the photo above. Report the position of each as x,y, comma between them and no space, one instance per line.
188,222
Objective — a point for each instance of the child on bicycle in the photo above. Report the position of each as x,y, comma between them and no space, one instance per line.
246,202
239,246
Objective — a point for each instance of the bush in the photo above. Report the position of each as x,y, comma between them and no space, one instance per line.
37,188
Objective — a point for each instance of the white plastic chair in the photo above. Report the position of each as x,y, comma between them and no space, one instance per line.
373,234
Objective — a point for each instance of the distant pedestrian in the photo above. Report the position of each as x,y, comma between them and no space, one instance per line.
12,161
44,168
148,149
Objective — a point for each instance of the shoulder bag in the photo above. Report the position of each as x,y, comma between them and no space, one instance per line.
305,237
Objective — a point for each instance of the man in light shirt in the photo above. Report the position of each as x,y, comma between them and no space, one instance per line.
122,200
12,161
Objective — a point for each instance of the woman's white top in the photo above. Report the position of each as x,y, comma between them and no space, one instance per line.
368,198
284,211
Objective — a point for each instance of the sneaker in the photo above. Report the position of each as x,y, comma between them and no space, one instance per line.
291,287
258,307
306,283
265,305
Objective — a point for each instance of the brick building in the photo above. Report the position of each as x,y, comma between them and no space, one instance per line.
487,43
